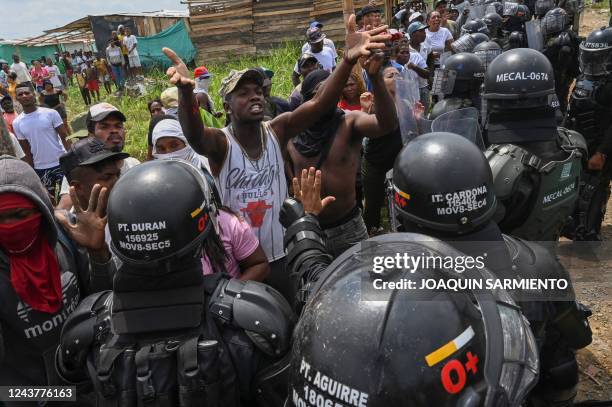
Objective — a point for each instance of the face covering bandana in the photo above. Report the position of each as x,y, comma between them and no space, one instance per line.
35,274
185,153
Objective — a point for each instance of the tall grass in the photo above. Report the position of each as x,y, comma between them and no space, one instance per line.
281,61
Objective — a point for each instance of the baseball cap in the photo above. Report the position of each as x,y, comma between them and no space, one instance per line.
416,26
87,151
370,9
307,56
316,24
79,126
231,81
414,16
314,35
101,111
201,72
169,97
437,3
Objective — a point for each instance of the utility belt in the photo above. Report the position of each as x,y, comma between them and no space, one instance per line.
168,373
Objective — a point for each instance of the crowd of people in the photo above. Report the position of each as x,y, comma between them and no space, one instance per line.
232,267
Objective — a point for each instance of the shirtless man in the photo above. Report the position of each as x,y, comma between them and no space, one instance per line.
333,144
246,158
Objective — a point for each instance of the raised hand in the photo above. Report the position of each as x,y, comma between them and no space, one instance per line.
178,73
373,63
360,43
91,222
308,191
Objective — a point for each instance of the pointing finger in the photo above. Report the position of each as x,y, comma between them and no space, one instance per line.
176,60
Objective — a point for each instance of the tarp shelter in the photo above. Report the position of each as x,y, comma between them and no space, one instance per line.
175,37
26,53
99,27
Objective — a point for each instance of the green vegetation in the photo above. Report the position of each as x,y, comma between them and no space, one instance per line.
281,61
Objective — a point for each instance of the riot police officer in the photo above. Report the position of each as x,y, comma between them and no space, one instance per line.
536,166
513,27
590,113
542,7
459,81
487,52
450,197
494,23
475,26
561,48
166,335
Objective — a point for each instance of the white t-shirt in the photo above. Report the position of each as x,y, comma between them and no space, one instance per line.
55,74
22,72
327,59
39,129
418,60
326,43
129,42
437,40
17,147
127,164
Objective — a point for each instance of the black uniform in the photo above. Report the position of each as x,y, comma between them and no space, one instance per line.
559,327
166,335
561,47
590,113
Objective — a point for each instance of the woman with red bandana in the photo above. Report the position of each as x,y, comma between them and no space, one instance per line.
43,274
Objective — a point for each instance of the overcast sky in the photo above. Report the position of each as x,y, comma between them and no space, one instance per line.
26,18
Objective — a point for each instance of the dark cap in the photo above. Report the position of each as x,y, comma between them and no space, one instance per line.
305,58
314,35
87,151
370,9
437,3
100,111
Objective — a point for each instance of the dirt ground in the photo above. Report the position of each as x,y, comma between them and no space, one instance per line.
593,286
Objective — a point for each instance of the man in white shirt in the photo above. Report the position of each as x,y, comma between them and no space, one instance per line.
419,55
325,55
42,135
130,42
326,41
23,75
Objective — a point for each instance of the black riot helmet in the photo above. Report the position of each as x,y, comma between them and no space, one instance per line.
493,22
442,182
479,38
516,39
461,73
487,52
158,213
474,26
543,6
554,22
519,79
470,348
496,7
523,12
595,55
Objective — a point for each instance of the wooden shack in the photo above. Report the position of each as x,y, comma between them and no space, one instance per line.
222,29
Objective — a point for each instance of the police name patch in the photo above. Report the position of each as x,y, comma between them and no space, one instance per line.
521,76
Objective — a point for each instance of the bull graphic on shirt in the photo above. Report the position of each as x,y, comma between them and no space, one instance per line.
256,212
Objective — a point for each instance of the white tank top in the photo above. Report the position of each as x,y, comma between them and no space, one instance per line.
256,189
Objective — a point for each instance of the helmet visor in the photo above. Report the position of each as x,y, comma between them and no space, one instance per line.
487,56
595,62
542,6
443,81
465,43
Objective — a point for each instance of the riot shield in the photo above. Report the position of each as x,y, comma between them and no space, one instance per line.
465,43
510,8
443,81
477,10
463,122
410,110
535,39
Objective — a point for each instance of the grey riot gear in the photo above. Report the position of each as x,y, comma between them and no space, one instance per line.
487,52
